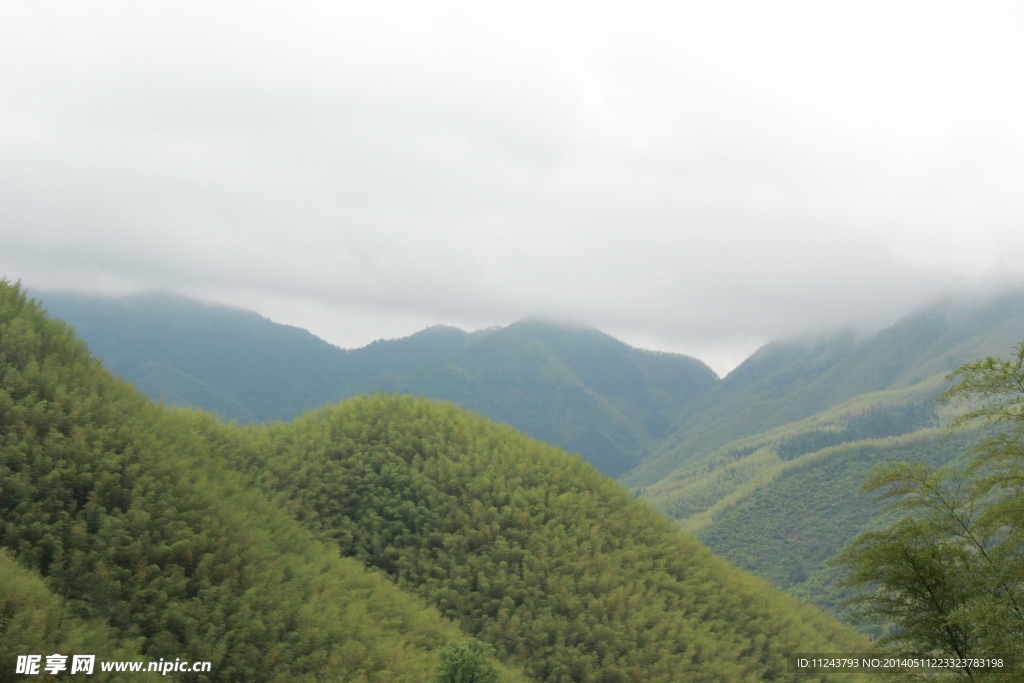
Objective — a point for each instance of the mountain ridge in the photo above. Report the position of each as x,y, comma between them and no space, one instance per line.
572,386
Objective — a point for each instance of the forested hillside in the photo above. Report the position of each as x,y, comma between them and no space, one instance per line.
574,387
231,360
789,531
529,548
773,458
785,382
172,534
123,511
33,618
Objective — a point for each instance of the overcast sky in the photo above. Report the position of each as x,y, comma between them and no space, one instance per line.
689,176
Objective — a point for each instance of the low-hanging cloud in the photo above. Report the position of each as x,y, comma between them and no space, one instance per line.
697,176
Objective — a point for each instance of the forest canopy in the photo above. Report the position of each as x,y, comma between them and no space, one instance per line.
357,543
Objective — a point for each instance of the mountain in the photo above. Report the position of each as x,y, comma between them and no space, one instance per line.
125,513
529,548
231,360
574,387
784,382
329,548
766,467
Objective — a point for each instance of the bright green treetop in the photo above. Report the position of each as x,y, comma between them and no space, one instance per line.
468,661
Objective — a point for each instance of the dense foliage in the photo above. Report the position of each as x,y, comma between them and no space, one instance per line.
34,620
180,536
948,573
789,531
466,662
698,493
786,382
574,387
528,548
124,510
763,465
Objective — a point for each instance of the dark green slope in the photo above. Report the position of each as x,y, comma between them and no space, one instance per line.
787,382
211,356
529,548
230,360
129,515
33,621
575,387
169,384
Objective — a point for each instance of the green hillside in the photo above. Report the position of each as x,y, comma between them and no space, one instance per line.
787,382
767,466
146,522
126,513
782,503
698,491
528,548
575,387
789,531
33,620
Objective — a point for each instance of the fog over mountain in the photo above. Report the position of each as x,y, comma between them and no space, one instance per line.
693,177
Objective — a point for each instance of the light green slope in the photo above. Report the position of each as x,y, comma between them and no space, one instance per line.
788,532
782,503
766,468
35,621
784,383
700,491
530,549
129,514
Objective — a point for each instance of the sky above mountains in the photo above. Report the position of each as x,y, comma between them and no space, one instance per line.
689,176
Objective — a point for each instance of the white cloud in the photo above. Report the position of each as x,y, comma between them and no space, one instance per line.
699,175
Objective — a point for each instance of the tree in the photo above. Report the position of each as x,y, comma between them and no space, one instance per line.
948,575
467,661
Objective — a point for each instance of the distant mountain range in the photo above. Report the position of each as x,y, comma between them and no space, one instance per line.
766,468
574,387
231,360
764,464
